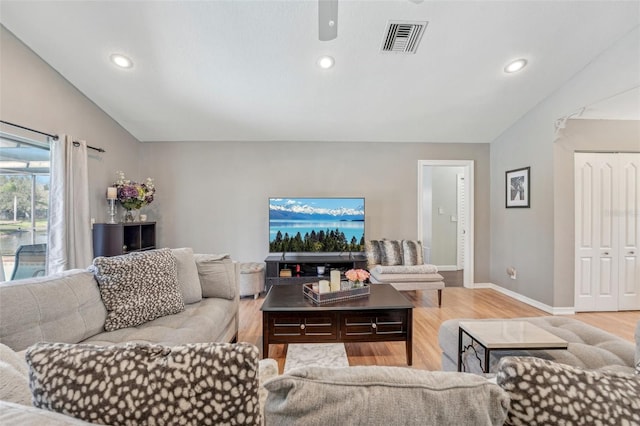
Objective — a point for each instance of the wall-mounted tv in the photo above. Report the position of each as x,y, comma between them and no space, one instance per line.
316,224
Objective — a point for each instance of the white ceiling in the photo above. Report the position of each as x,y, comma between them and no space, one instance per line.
246,70
621,106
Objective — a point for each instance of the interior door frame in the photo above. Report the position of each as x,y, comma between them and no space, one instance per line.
468,280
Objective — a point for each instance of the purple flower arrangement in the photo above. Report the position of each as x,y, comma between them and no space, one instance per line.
133,195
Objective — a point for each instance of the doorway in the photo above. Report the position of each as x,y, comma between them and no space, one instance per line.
445,215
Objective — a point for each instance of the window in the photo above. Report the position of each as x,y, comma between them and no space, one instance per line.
24,197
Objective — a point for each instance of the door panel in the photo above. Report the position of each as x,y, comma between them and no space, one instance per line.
629,214
596,236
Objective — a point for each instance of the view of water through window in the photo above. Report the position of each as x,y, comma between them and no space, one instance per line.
24,196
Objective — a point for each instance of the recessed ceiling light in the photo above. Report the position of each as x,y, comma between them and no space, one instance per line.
121,60
515,66
326,62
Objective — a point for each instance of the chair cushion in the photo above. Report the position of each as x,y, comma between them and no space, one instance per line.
210,320
138,287
406,269
544,392
205,383
251,267
374,395
405,278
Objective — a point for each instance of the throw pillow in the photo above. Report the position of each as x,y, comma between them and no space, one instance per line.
412,252
391,252
138,287
188,279
217,274
374,253
204,384
383,396
544,392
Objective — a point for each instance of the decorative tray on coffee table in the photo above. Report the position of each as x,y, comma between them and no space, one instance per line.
334,296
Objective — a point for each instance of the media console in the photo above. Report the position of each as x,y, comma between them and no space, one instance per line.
304,267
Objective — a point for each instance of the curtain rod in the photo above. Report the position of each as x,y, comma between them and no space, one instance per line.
54,137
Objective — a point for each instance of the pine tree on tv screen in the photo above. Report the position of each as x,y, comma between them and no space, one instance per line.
316,224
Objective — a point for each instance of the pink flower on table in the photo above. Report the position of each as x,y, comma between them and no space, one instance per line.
356,275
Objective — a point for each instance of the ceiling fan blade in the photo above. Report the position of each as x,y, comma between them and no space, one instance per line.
327,19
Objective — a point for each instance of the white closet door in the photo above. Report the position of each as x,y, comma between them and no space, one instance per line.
629,264
596,269
607,213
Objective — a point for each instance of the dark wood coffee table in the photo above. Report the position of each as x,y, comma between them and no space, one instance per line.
289,317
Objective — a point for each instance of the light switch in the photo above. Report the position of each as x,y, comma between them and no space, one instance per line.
440,210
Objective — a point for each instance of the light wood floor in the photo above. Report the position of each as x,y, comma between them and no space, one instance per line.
427,317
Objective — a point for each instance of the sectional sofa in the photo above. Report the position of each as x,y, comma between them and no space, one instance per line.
166,368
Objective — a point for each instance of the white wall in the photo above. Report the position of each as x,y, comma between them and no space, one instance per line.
36,96
213,196
528,239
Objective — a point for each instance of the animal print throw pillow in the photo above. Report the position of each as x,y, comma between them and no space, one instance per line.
412,252
547,393
373,250
391,252
138,287
143,384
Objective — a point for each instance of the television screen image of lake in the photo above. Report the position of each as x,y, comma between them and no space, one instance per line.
292,227
316,224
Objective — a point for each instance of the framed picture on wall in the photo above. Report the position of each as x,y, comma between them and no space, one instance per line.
518,187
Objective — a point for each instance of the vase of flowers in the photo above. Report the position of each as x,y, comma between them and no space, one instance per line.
133,196
357,276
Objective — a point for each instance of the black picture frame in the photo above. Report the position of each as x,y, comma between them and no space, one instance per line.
518,188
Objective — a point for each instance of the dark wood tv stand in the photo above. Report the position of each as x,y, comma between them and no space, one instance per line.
304,266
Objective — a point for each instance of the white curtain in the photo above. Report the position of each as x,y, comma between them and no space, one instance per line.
69,240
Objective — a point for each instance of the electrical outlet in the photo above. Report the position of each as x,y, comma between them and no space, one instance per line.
511,271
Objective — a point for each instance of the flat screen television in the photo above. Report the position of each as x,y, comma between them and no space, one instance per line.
316,225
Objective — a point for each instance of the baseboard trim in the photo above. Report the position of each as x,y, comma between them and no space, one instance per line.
448,268
569,310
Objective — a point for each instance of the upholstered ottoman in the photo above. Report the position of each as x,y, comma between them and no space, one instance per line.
251,279
589,347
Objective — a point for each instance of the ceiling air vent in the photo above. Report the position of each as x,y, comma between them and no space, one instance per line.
403,36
